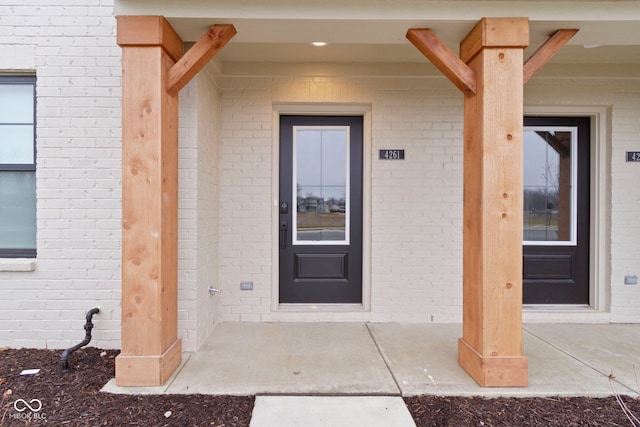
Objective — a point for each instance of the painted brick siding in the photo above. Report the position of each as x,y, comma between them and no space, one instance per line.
198,208
417,204
245,199
208,200
187,214
625,201
70,46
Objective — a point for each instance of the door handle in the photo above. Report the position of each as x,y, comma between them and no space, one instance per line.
284,225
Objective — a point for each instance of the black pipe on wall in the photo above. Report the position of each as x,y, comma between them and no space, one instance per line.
87,327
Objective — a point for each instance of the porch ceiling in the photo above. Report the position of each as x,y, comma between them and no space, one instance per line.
282,30
384,41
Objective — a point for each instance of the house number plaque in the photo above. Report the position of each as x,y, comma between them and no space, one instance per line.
389,154
633,156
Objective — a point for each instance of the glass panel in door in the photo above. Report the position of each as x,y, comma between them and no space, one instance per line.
321,185
550,188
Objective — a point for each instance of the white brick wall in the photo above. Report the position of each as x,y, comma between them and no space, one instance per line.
70,46
245,199
625,201
208,199
187,215
417,204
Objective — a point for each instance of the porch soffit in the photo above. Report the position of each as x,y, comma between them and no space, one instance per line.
280,31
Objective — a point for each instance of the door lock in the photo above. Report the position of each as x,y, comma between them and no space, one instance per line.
284,208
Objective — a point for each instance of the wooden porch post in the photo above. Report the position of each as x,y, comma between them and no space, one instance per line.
490,349
151,350
153,72
491,74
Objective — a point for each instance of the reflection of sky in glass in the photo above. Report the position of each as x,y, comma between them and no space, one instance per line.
16,144
321,163
17,103
16,124
541,162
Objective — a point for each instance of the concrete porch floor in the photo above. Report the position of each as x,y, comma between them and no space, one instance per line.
397,360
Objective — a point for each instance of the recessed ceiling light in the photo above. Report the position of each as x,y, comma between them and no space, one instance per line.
319,44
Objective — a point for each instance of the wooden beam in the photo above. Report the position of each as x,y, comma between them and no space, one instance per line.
444,59
198,56
151,349
545,52
490,349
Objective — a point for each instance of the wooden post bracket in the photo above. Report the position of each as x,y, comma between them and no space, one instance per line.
545,52
444,59
463,77
197,57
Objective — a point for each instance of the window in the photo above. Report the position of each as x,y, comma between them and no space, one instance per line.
321,185
17,167
550,185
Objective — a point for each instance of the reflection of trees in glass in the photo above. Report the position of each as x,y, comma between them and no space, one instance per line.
541,207
547,202
321,183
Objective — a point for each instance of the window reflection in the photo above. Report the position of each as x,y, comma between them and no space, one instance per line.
16,124
548,186
17,210
321,184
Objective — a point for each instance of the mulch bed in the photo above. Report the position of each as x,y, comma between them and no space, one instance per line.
72,398
540,411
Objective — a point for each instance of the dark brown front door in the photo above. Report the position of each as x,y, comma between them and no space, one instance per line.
556,210
320,213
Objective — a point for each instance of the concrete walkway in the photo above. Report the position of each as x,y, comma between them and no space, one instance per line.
293,367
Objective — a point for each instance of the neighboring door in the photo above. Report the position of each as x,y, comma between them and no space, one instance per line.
556,210
320,211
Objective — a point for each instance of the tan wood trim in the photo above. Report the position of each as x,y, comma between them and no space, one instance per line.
545,52
495,32
493,371
198,56
443,59
150,347
149,31
492,235
149,204
136,371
